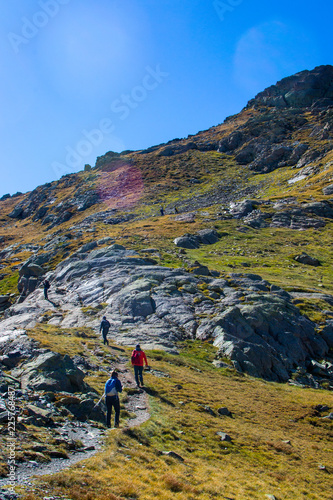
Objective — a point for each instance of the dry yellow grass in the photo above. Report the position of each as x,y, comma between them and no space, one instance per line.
279,440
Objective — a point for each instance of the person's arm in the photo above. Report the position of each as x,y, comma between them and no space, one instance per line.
145,358
119,386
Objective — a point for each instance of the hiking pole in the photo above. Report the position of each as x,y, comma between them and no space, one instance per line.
97,403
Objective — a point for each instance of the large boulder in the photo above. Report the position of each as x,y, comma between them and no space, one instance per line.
208,236
203,237
83,408
189,241
51,371
241,209
304,258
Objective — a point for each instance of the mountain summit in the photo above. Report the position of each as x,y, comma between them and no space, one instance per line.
304,89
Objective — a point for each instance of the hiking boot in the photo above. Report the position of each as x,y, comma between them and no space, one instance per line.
116,425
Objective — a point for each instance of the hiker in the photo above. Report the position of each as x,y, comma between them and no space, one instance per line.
176,210
112,388
162,211
46,286
137,359
104,328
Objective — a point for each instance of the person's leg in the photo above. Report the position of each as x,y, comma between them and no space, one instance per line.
116,405
108,401
45,294
136,374
140,374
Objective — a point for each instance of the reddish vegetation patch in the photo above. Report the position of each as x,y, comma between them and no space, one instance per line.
120,184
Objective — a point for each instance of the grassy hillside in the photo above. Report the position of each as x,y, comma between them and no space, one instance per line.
280,444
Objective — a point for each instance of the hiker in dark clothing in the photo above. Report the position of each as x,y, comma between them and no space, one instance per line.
104,328
46,286
112,388
137,359
162,211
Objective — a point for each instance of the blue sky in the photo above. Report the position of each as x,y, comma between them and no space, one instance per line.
80,78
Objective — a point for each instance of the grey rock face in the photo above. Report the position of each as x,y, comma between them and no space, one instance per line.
328,190
327,333
4,302
298,91
252,323
51,371
295,220
230,143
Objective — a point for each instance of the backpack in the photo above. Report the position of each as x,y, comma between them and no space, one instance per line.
105,325
136,358
110,388
47,284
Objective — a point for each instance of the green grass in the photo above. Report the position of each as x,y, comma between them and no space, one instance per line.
8,284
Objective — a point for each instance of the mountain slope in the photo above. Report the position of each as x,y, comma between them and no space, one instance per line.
263,180
232,285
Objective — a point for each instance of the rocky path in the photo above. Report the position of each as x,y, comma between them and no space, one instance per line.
137,399
90,435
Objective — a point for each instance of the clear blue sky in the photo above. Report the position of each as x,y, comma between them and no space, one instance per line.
82,77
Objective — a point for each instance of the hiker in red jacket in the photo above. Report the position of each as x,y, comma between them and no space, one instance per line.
137,358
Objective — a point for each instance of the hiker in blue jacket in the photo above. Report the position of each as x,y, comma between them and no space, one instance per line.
104,328
112,388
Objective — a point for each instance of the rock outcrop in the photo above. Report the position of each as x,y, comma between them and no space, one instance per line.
300,90
50,371
203,237
4,302
252,322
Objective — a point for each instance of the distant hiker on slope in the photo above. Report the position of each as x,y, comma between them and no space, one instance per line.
104,328
137,359
46,286
112,388
162,211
